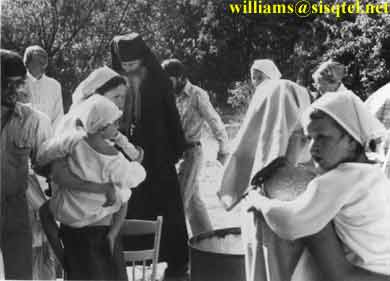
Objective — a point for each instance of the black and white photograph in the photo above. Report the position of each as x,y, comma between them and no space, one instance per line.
195,140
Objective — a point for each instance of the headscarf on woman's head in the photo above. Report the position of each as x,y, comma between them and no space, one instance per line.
93,82
97,112
268,67
349,111
331,71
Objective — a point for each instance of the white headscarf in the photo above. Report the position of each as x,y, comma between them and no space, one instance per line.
268,67
94,81
270,122
98,112
349,111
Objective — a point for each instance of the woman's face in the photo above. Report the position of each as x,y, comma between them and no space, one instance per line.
131,66
117,96
257,77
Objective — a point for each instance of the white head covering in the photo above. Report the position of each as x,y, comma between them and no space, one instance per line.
98,112
272,119
349,111
94,81
268,67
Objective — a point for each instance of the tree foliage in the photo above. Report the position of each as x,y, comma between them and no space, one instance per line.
217,47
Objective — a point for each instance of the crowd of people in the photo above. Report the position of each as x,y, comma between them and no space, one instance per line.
130,147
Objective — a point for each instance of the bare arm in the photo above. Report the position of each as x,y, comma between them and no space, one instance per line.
118,220
326,249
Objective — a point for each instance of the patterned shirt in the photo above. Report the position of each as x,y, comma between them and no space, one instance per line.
195,108
21,139
46,97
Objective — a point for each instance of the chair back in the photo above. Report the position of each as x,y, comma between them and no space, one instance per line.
137,228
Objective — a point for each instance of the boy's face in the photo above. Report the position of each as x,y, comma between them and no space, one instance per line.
37,66
329,145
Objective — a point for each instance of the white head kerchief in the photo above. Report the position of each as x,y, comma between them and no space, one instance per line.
94,81
351,113
268,67
271,119
98,112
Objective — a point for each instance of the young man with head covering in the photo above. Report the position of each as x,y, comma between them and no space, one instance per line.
270,130
328,77
46,95
151,120
23,130
195,109
350,190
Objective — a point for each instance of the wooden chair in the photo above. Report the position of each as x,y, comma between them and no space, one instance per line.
143,272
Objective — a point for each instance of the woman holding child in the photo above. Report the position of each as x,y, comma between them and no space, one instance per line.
92,180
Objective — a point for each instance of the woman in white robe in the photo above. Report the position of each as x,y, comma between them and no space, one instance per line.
270,129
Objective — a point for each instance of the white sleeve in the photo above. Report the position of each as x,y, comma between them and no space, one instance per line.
128,148
125,174
58,147
308,213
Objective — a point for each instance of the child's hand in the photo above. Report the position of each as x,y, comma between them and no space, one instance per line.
110,197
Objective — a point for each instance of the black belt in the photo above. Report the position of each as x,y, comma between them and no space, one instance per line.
193,144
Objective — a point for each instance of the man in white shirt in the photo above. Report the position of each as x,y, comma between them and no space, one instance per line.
195,109
44,95
45,91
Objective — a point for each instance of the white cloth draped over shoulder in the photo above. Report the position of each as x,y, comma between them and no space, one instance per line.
272,117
